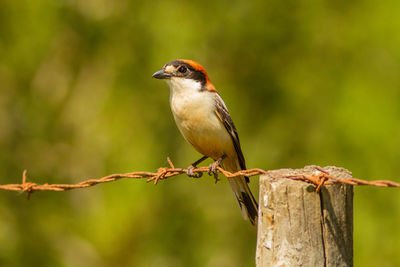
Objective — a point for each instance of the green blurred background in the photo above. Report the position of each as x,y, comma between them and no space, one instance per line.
306,82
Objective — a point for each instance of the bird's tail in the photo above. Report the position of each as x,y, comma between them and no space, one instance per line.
247,203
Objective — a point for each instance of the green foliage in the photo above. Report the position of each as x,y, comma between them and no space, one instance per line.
311,82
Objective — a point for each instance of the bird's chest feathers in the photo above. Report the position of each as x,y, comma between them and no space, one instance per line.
194,113
191,106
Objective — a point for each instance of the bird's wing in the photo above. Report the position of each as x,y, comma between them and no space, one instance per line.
223,114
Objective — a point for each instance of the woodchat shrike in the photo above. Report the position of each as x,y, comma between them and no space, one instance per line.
205,122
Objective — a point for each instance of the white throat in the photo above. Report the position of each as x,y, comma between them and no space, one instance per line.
183,86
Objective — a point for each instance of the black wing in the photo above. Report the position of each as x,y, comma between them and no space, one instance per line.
223,114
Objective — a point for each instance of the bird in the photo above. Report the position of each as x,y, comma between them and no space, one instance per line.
204,121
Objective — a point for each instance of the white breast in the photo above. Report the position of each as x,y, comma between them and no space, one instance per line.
194,113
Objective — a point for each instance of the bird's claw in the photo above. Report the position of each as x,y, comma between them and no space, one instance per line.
213,170
191,174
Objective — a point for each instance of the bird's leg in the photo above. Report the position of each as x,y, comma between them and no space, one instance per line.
189,171
213,167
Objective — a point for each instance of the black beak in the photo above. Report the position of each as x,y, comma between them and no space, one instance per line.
161,74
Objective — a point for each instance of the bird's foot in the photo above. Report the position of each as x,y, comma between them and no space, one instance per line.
190,173
189,170
212,170
214,167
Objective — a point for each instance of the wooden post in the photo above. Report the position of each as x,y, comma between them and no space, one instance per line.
299,227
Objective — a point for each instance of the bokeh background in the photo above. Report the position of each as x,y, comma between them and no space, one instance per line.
306,82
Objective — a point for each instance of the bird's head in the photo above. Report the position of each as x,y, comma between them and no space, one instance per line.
184,72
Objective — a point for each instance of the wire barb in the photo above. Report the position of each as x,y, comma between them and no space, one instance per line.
319,178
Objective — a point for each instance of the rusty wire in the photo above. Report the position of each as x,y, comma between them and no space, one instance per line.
318,178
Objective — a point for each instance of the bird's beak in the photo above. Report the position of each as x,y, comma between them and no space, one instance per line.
161,74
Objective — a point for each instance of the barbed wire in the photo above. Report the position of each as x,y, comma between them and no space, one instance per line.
318,178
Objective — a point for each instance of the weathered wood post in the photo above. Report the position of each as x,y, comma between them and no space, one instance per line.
299,227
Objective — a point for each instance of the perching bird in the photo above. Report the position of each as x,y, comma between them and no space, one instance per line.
204,121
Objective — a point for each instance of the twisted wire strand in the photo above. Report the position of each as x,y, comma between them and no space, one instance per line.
319,179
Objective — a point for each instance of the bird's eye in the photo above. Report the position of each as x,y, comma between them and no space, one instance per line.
182,69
